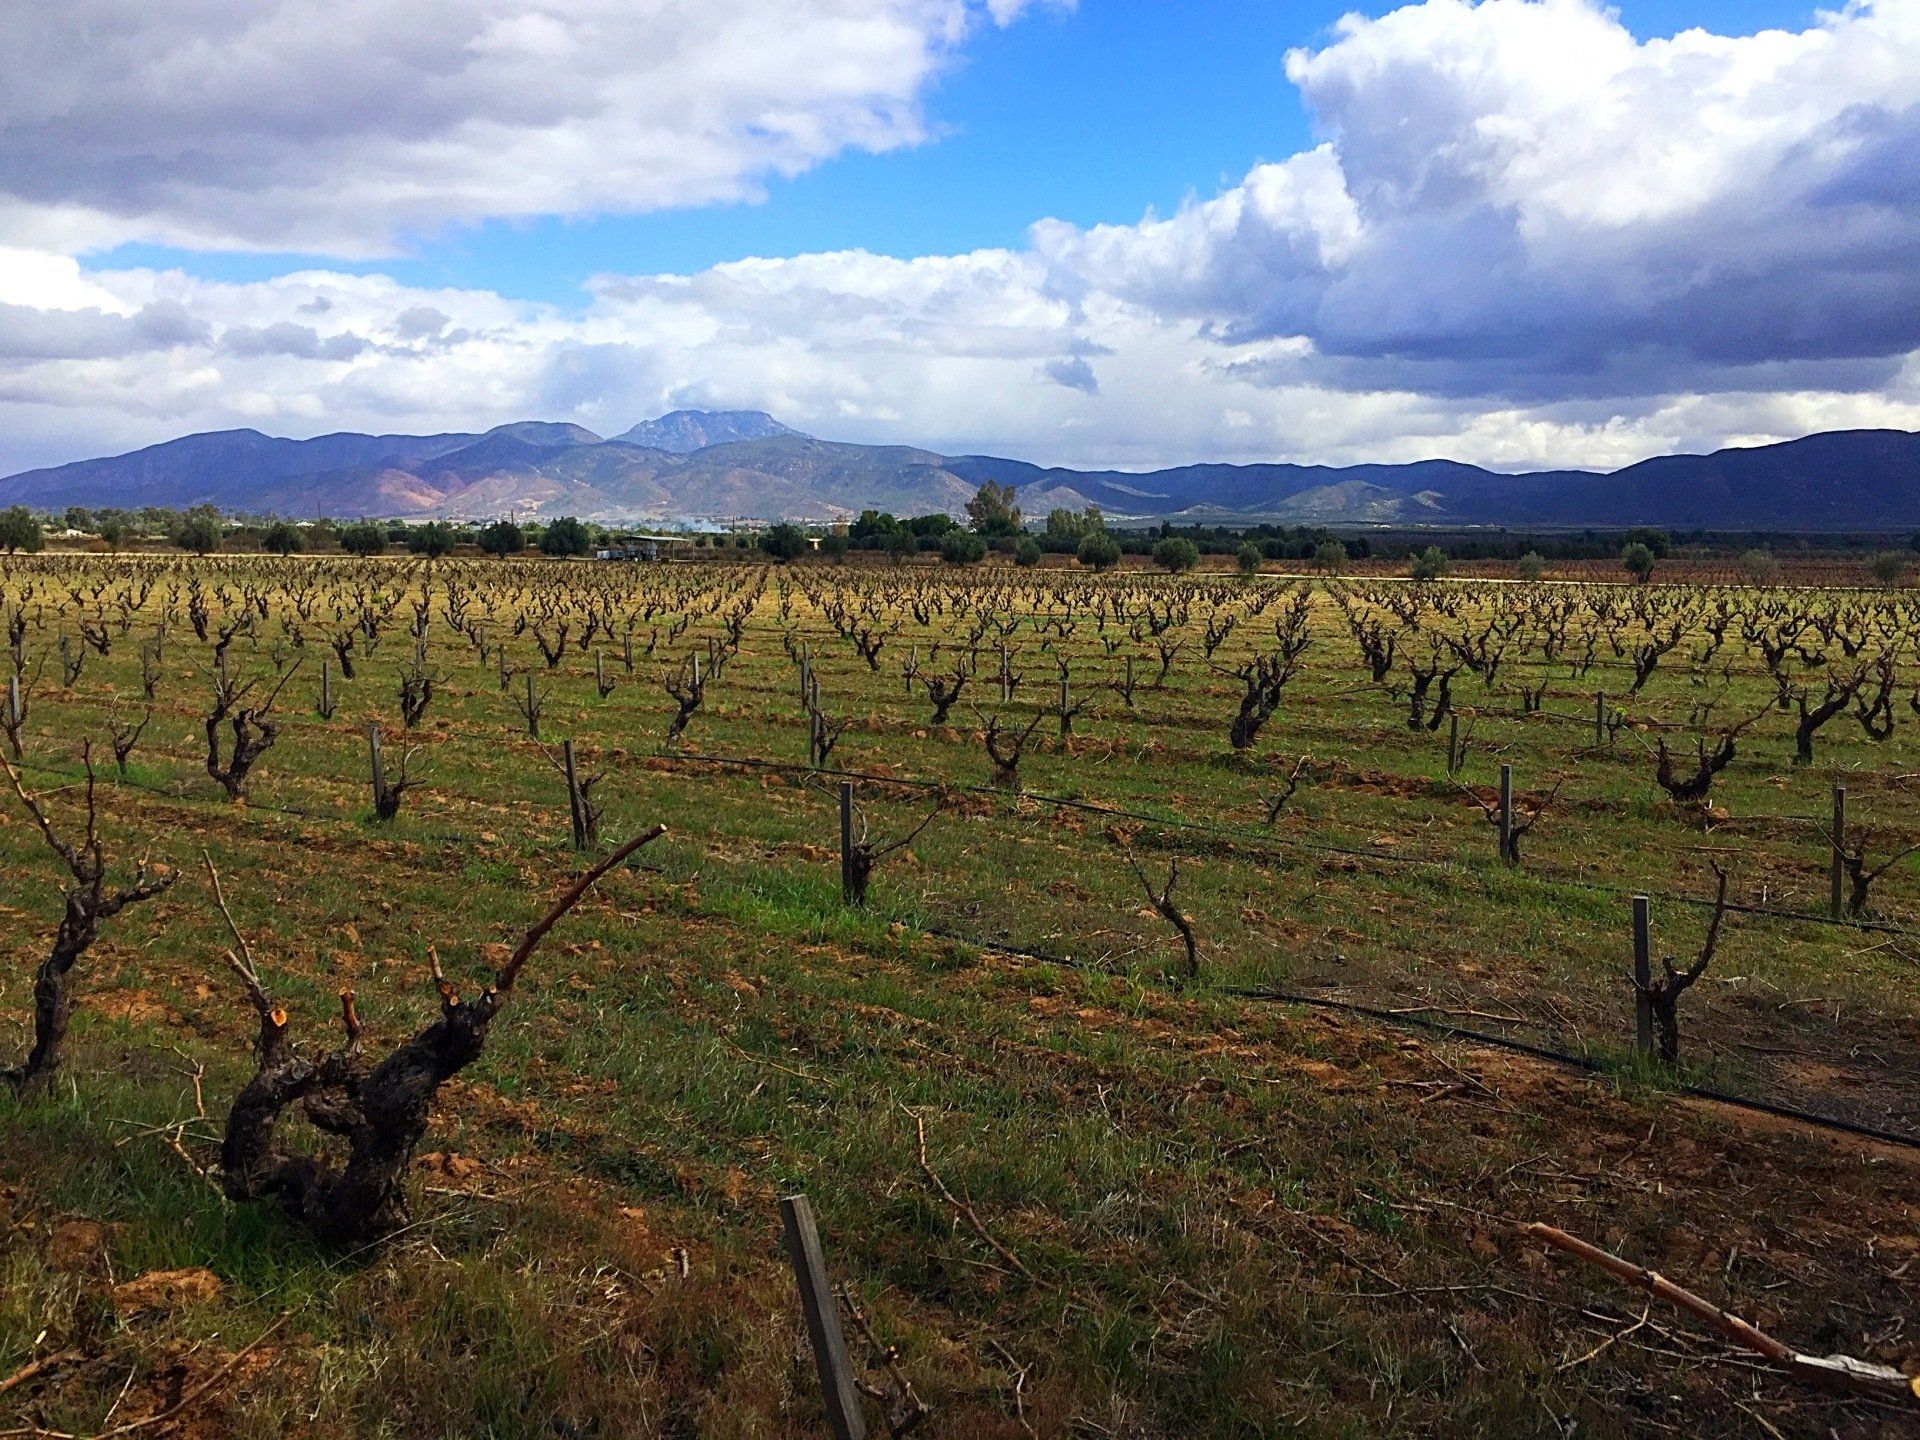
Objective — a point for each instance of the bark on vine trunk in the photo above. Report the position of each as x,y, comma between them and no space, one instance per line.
380,1109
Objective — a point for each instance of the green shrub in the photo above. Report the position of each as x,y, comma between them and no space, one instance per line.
962,547
1175,555
503,538
20,530
1098,550
199,531
434,539
283,539
1430,564
565,536
784,542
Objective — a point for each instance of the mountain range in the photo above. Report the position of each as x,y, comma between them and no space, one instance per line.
695,465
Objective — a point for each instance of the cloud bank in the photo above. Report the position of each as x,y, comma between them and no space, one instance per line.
338,126
1524,237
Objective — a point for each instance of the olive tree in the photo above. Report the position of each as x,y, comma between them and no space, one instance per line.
1175,554
1098,551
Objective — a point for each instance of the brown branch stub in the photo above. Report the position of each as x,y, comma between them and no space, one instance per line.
959,1205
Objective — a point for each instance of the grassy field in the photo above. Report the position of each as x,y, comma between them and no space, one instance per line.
1084,1192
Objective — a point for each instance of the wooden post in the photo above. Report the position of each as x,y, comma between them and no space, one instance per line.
696,669
1835,865
375,771
1006,676
1453,743
847,841
573,796
1599,719
912,669
845,1419
626,650
1506,814
533,712
1066,717
501,652
13,701
599,674
326,690
1642,978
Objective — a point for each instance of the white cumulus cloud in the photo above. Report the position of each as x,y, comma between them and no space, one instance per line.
1524,237
343,126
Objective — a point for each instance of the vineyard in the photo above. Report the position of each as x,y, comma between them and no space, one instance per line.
1174,995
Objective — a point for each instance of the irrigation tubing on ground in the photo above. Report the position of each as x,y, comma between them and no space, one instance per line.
1585,1063
1267,995
1279,841
1244,837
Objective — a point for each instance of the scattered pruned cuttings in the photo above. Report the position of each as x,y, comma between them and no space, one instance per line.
961,1206
900,1404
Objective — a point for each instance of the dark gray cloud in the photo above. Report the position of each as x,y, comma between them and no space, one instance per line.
1075,373
284,337
27,333
420,322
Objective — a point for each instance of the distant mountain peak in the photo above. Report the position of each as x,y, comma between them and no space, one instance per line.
681,432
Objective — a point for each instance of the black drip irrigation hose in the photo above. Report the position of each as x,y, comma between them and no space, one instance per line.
1585,1063
1279,842
1580,1062
1194,826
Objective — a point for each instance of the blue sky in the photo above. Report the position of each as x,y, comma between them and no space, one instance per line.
1092,115
1129,233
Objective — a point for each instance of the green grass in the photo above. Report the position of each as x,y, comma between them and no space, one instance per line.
1238,1218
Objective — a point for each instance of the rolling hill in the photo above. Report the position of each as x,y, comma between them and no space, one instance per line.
694,465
